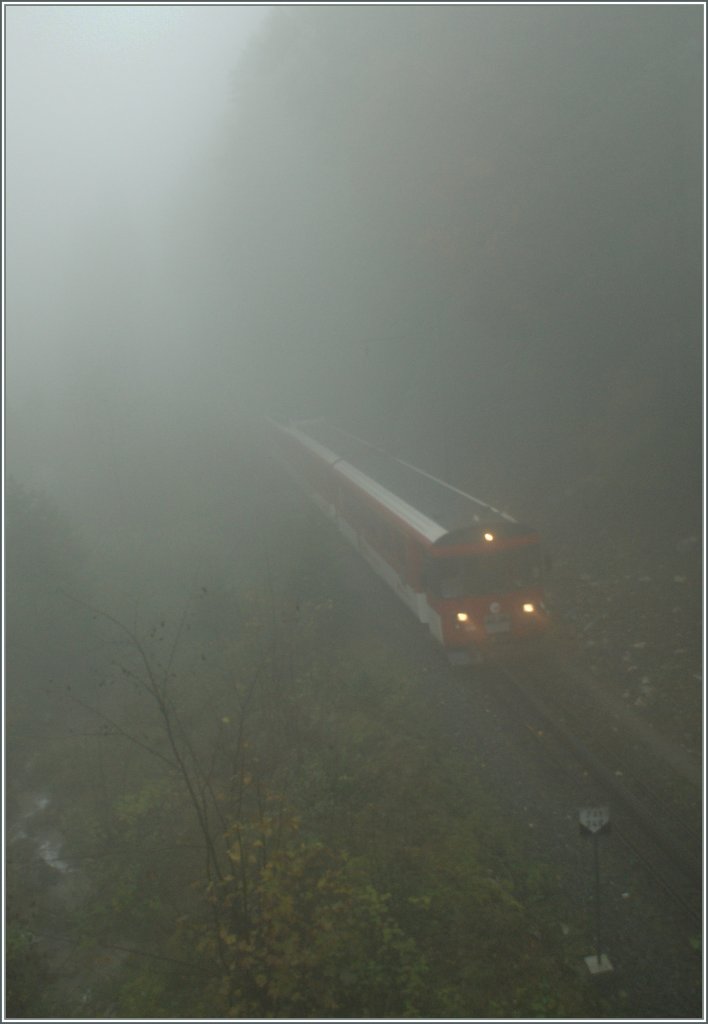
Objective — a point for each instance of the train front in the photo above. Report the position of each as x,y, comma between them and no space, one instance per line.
485,586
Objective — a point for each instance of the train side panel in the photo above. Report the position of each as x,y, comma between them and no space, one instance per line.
382,541
373,530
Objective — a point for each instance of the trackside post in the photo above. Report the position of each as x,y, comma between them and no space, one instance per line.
593,822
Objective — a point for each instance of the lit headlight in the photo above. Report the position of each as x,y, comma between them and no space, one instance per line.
462,616
489,536
529,608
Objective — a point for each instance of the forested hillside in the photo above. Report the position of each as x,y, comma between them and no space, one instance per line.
475,234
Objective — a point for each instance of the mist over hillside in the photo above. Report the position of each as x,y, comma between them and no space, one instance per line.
242,781
475,234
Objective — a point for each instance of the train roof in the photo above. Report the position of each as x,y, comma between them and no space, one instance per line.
457,515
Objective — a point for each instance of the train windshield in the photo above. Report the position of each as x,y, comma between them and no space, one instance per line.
487,573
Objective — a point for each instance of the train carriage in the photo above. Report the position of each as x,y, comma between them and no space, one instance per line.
472,574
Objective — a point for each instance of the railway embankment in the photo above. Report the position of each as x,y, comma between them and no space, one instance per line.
653,942
633,628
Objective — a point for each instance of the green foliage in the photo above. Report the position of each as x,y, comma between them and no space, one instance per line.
27,974
314,937
146,992
383,885
134,808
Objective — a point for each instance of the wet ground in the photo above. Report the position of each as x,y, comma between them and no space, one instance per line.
654,949
636,624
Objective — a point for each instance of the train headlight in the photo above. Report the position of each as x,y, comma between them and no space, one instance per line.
489,536
529,608
462,616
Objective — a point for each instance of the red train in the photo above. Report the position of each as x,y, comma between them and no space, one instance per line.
472,574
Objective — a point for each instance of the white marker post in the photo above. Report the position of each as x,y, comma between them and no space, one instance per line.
593,821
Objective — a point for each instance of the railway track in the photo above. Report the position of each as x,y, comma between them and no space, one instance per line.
652,823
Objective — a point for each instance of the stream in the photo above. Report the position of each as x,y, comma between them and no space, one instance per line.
44,891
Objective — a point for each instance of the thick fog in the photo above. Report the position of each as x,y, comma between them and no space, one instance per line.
471,234
435,223
112,115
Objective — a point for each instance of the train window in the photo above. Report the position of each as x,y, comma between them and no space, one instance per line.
491,572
